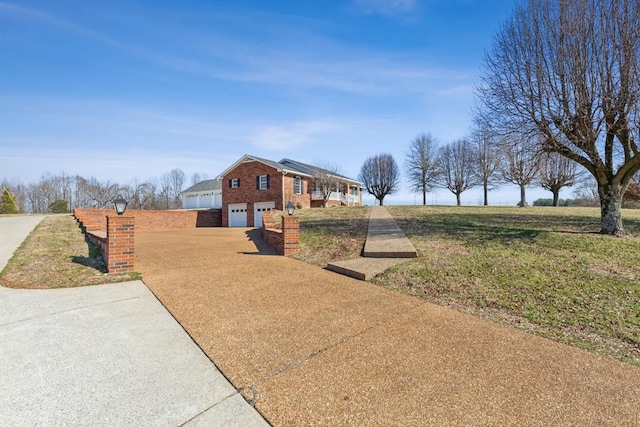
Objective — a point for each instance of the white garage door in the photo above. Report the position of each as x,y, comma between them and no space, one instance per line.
238,215
258,209
190,202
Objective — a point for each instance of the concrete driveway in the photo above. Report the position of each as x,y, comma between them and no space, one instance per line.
107,355
311,347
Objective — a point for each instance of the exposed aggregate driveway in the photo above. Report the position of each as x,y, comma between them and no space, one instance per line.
310,347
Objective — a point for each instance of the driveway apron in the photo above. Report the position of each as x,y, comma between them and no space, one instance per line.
310,347
108,355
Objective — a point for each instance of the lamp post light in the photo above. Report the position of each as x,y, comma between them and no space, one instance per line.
290,208
121,204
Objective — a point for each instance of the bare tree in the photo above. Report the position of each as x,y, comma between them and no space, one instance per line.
421,164
571,70
380,175
556,171
171,184
99,194
198,177
326,180
457,161
487,158
586,192
520,165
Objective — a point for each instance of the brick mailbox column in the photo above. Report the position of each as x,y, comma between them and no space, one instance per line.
120,242
290,235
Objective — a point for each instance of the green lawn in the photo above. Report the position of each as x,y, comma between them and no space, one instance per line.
545,270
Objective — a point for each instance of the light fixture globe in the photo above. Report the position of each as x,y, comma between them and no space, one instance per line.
120,204
290,208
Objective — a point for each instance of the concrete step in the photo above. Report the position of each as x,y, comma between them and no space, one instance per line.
364,268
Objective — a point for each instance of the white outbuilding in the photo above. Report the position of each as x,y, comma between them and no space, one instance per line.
203,195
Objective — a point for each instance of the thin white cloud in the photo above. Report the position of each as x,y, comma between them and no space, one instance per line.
291,136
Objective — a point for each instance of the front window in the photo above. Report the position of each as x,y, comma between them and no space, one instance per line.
297,185
264,182
235,183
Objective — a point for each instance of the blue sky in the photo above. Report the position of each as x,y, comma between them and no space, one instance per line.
132,89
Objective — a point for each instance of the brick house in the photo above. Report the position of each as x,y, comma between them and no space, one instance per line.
253,185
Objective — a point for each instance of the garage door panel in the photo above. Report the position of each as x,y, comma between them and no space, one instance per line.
238,215
258,209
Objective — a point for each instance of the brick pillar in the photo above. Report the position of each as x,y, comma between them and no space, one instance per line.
120,243
290,235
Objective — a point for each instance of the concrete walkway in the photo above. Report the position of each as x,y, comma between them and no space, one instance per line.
310,347
386,246
108,355
13,230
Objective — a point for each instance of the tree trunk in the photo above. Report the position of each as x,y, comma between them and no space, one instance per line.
381,201
611,209
556,199
485,186
523,197
424,198
458,199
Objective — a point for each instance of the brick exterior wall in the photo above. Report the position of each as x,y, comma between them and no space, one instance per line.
248,192
300,201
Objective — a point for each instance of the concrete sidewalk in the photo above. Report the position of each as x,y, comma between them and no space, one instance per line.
108,355
386,246
310,347
385,239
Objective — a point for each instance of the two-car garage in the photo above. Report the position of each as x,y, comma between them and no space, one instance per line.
238,213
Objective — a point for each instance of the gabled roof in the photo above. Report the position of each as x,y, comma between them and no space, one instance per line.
206,185
277,166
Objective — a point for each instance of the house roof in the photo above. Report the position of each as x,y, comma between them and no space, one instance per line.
206,185
315,170
277,166
288,166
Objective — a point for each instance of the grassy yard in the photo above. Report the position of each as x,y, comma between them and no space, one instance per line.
543,270
331,234
55,255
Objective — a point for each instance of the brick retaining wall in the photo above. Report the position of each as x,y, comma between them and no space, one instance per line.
114,234
285,240
95,219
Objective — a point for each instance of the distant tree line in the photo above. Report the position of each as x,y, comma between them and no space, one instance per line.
63,193
488,160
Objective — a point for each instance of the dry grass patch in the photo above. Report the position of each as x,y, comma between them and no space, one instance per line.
332,234
55,255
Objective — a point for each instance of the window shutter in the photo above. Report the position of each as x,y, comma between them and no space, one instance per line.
230,183
268,182
258,182
238,182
